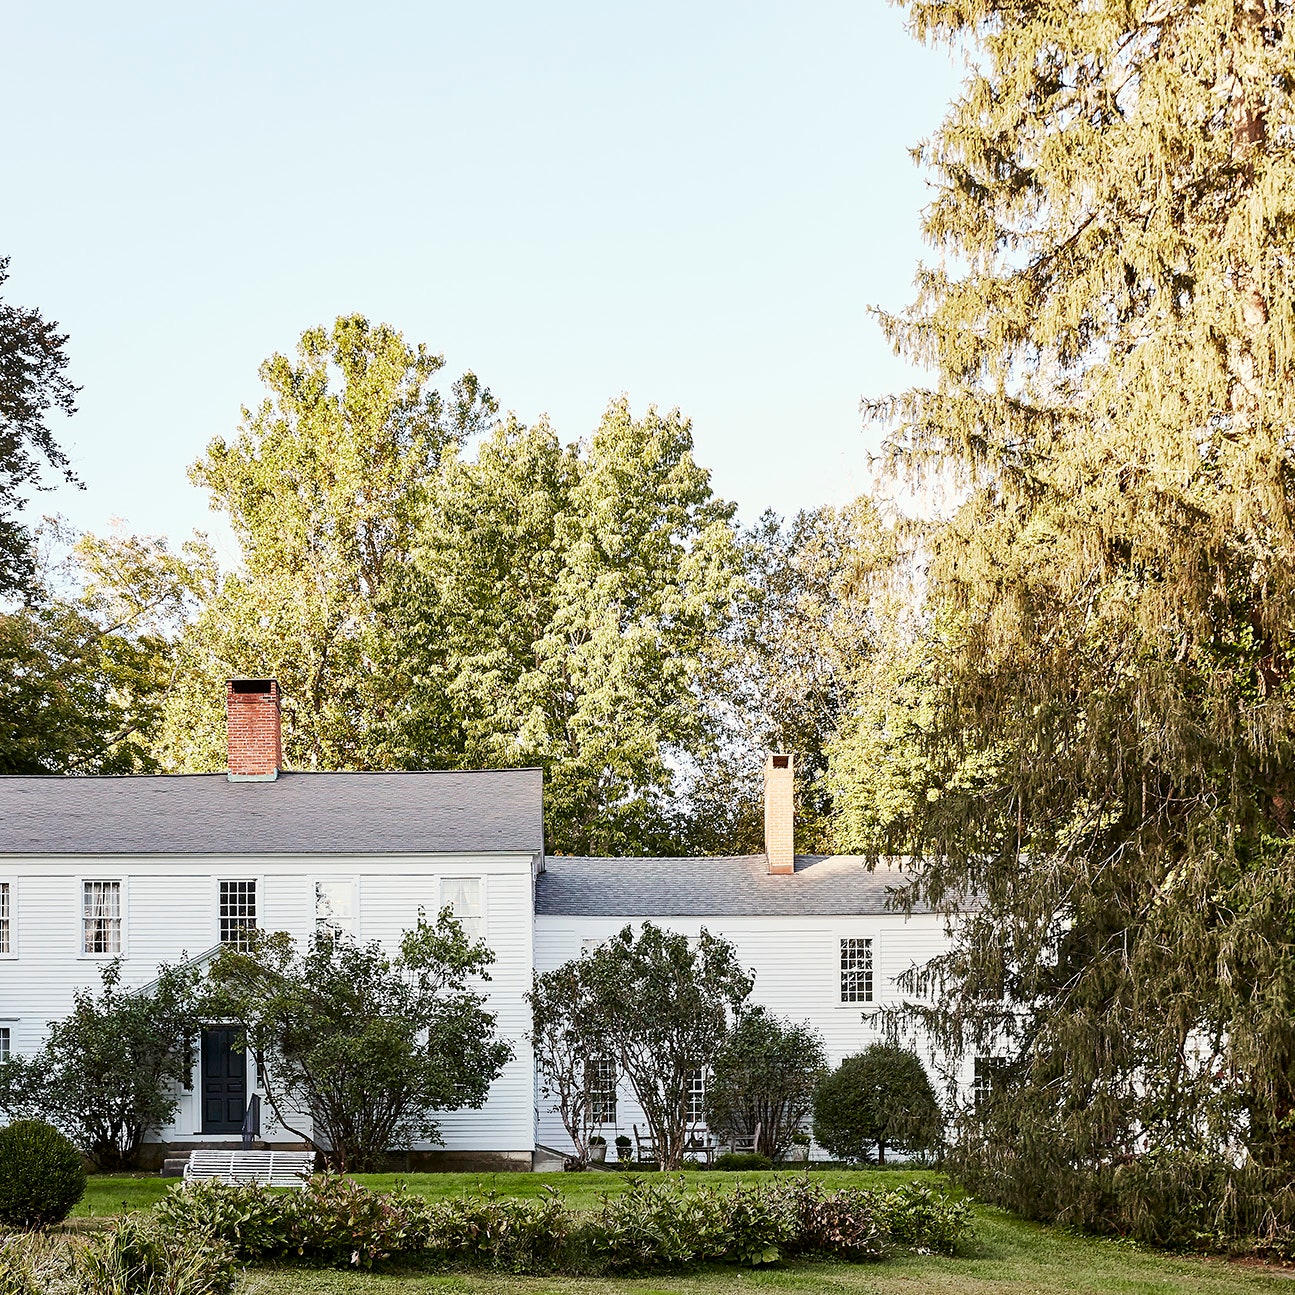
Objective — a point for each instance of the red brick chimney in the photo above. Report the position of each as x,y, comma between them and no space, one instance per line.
780,813
255,739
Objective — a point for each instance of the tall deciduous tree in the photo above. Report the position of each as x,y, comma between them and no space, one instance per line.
814,608
663,1005
33,383
111,1071
368,1045
1112,322
557,612
322,487
86,662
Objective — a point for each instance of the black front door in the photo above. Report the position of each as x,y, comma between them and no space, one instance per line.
224,1081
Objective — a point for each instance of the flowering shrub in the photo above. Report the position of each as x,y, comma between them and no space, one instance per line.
658,1223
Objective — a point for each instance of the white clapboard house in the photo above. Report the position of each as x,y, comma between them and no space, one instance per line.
158,869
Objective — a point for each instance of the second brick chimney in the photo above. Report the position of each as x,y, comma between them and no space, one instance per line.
780,813
255,738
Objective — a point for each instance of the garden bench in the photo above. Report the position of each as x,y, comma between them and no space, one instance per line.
261,1168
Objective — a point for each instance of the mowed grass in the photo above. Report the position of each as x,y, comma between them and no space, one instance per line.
1007,1257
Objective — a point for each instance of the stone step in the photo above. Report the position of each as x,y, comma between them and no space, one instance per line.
173,1166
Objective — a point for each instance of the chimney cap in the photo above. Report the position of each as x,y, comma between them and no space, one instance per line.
254,685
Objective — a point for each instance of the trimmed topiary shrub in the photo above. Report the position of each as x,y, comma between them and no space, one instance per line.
877,1100
41,1175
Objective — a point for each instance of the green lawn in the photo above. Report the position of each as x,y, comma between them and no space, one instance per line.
1009,1257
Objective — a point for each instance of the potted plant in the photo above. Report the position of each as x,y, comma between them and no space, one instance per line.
597,1149
623,1145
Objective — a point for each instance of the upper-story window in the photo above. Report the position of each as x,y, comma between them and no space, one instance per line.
335,906
856,971
237,913
4,1043
6,918
463,896
101,917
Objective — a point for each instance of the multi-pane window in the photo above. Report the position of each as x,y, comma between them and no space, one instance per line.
237,913
695,1097
856,971
6,935
463,896
985,1078
101,917
4,1043
602,1090
335,907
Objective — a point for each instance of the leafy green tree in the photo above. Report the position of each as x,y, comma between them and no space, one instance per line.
367,1045
556,613
814,606
84,671
33,382
881,1097
322,487
1111,331
662,1004
566,1039
111,1070
763,1078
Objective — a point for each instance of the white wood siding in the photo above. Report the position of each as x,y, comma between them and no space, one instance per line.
170,912
796,964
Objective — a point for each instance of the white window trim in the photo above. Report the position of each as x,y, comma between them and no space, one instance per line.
124,883
217,878
483,882
354,880
864,1005
12,882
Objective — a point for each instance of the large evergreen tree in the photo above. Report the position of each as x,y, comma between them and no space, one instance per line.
1111,320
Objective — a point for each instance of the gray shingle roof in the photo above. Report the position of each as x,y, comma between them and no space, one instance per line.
495,810
712,887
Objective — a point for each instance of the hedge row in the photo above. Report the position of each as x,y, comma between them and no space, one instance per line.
652,1224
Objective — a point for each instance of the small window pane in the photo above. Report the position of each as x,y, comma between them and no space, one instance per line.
986,1076
4,1043
463,896
695,1097
101,917
856,971
6,940
335,907
602,1090
237,913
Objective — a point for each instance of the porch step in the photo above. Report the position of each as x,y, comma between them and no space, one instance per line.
545,1160
173,1166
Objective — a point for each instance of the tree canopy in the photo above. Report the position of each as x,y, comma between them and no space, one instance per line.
33,383
556,613
323,487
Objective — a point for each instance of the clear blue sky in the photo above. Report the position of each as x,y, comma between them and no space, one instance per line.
691,203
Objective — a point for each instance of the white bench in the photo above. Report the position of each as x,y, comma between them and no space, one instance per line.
261,1168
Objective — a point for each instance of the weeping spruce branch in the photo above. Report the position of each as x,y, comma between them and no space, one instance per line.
1105,754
